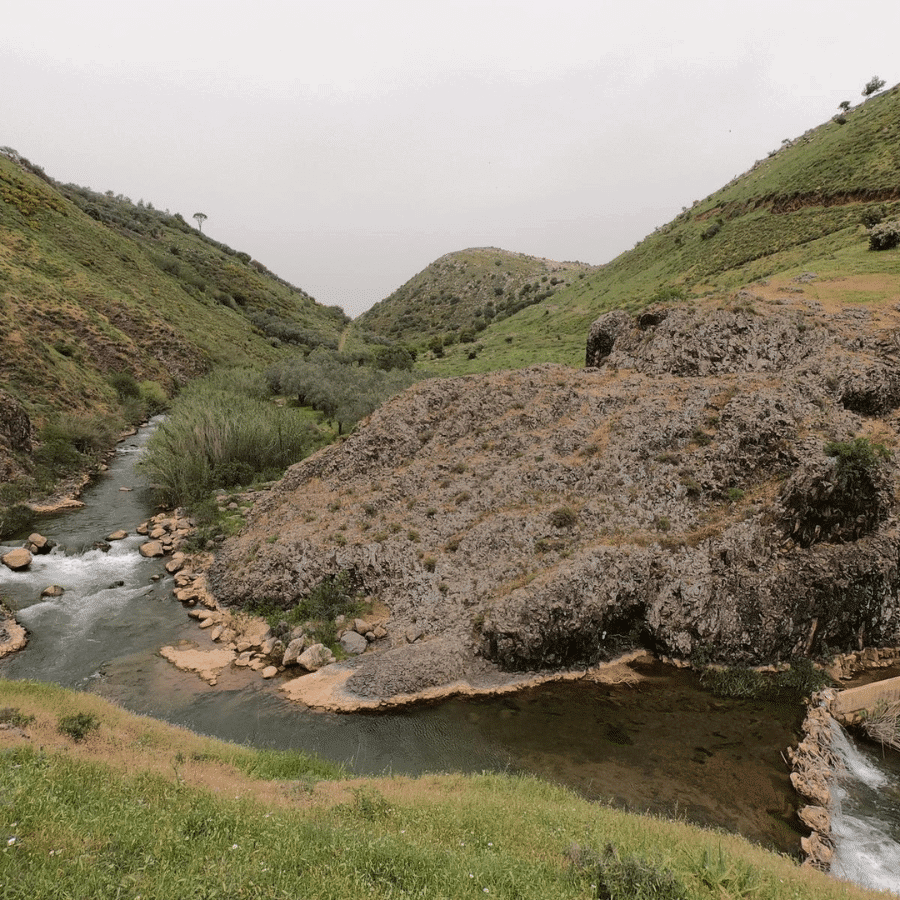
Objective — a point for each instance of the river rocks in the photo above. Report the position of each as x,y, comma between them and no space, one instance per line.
353,643
208,664
812,765
16,559
151,549
315,657
12,635
293,651
53,590
38,544
119,535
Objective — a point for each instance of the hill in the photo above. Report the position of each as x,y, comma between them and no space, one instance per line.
718,483
109,306
805,207
456,297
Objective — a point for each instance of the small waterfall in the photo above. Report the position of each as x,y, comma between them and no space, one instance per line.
866,814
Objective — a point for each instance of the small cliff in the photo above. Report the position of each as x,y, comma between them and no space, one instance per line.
714,481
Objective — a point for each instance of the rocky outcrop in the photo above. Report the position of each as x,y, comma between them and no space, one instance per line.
679,494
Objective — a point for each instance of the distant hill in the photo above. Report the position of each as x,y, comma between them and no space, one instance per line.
99,295
804,207
457,296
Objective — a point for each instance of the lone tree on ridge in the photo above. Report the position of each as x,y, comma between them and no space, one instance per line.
201,218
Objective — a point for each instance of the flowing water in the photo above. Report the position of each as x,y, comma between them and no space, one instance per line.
866,814
662,746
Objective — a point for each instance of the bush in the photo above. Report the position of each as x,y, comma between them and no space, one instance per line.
884,236
873,216
627,877
219,434
78,726
563,517
70,442
857,460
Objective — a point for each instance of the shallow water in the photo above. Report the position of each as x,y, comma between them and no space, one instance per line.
664,746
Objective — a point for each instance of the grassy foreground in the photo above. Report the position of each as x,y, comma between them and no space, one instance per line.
137,808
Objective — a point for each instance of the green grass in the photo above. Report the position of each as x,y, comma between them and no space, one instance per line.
799,210
114,817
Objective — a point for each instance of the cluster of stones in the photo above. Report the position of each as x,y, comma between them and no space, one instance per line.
166,533
21,557
253,644
812,763
847,665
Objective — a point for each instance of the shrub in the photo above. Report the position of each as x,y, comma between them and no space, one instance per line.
627,877
857,460
563,517
15,717
220,434
78,725
125,385
884,236
873,216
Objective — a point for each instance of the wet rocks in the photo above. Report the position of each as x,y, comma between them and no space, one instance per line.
812,765
17,560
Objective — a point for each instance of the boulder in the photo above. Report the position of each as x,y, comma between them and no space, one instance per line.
17,559
151,549
53,590
316,657
353,643
119,535
37,543
293,651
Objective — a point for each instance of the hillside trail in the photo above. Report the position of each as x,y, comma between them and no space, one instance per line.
343,338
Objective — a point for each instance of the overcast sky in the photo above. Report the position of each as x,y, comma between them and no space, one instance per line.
346,144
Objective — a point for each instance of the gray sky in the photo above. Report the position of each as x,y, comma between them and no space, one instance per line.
346,144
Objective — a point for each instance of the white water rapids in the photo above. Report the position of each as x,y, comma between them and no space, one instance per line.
866,814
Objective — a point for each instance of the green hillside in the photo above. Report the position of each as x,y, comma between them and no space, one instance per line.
456,297
800,209
106,303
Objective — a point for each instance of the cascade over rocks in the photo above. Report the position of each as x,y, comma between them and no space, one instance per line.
676,495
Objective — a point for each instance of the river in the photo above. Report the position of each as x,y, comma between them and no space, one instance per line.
662,746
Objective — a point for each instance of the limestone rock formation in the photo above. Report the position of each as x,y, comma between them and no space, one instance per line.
676,494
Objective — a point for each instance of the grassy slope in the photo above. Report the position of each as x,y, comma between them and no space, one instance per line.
797,210
140,808
92,285
465,290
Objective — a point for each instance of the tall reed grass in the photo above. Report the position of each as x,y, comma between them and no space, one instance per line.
223,431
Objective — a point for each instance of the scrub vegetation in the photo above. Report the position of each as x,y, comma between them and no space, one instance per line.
224,430
139,808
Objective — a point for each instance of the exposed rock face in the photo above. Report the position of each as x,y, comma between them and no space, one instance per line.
16,435
678,497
